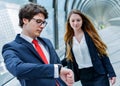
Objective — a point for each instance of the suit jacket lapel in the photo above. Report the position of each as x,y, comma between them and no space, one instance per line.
91,46
48,47
28,45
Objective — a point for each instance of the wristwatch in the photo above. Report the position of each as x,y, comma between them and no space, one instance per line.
60,66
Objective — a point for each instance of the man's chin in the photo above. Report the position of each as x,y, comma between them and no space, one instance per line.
38,35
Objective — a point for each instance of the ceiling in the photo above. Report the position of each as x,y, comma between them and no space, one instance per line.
102,12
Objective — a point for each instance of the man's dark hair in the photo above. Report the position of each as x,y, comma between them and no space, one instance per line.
28,11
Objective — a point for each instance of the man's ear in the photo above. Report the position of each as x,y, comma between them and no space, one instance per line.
25,21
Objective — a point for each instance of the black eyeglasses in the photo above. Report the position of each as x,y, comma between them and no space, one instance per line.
40,22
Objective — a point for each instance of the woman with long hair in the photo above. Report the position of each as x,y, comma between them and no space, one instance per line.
86,53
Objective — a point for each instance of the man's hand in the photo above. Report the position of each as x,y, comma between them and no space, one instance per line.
67,76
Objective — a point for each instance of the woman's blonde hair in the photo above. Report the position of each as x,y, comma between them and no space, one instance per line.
88,27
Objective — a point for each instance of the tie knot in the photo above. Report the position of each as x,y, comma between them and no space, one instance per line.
35,41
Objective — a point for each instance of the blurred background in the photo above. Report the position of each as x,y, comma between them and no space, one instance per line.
105,15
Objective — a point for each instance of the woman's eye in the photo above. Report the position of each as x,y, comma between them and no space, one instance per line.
78,20
72,20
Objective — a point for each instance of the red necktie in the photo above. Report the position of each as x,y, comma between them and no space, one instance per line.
57,84
39,50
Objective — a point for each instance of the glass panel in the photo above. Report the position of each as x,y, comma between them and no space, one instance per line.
8,30
61,22
48,30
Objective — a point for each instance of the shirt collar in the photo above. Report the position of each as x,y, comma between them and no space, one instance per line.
27,38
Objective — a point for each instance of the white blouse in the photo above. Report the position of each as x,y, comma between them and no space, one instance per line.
81,53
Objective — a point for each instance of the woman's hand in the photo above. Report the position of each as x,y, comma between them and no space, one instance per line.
112,80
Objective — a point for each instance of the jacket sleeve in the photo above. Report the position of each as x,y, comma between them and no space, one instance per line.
64,62
24,70
108,66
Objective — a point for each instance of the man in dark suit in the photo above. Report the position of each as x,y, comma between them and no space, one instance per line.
22,58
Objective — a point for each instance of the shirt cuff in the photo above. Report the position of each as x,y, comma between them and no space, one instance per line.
56,71
57,68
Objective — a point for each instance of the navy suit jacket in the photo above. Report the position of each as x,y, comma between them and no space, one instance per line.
23,61
101,64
